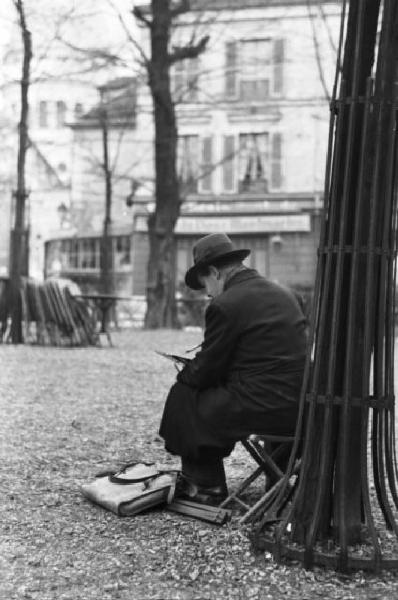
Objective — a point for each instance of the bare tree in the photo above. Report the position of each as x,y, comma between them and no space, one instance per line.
161,309
109,172
19,234
106,248
114,116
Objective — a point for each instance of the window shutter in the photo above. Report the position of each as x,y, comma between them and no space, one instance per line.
192,78
229,163
278,62
230,70
207,164
43,114
179,156
177,81
276,162
61,113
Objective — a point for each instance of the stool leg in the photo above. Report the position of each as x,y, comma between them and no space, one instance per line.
269,494
234,496
260,503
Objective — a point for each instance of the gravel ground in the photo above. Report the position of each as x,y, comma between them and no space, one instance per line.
65,413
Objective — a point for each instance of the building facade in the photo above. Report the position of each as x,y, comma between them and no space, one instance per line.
63,86
104,150
253,123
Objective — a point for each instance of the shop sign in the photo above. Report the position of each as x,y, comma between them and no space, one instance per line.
237,224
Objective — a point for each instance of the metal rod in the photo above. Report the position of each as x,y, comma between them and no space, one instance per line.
365,488
344,420
387,512
313,338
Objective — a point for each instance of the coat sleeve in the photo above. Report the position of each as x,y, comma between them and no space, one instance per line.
210,365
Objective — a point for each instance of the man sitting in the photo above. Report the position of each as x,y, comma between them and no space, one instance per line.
245,379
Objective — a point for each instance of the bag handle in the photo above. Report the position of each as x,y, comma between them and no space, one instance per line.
116,477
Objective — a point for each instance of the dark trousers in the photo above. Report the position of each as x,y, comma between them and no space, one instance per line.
207,470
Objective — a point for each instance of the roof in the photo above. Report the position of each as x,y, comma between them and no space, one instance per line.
202,5
119,83
239,4
118,104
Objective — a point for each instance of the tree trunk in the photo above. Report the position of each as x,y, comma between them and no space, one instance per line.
106,261
19,235
160,293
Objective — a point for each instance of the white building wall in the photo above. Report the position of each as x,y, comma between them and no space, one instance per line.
300,113
130,154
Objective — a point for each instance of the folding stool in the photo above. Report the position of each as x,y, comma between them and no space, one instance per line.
271,453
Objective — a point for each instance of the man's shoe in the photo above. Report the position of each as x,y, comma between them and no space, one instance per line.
188,490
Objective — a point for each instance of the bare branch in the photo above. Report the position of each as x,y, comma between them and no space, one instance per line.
124,125
327,25
139,15
190,51
48,165
93,53
128,32
317,52
182,7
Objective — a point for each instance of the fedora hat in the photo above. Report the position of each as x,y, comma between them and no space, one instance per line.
207,251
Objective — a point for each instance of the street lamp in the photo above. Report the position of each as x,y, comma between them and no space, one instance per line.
134,187
62,211
277,242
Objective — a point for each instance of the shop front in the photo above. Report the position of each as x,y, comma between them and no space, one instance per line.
283,246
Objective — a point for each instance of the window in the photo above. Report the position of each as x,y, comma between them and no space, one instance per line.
82,254
188,163
184,80
78,110
61,113
121,253
72,255
43,114
89,254
231,69
254,69
53,257
253,162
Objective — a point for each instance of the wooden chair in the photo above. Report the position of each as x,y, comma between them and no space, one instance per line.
271,453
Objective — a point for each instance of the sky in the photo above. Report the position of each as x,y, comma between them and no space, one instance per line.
59,26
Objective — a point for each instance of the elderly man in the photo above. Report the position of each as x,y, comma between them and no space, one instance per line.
247,376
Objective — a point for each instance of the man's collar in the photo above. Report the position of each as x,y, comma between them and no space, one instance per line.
239,276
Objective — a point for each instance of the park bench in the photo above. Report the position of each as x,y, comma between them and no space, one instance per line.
102,307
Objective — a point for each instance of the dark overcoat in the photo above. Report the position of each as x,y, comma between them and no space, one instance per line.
247,376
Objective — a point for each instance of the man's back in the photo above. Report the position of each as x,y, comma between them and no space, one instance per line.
256,343
268,324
